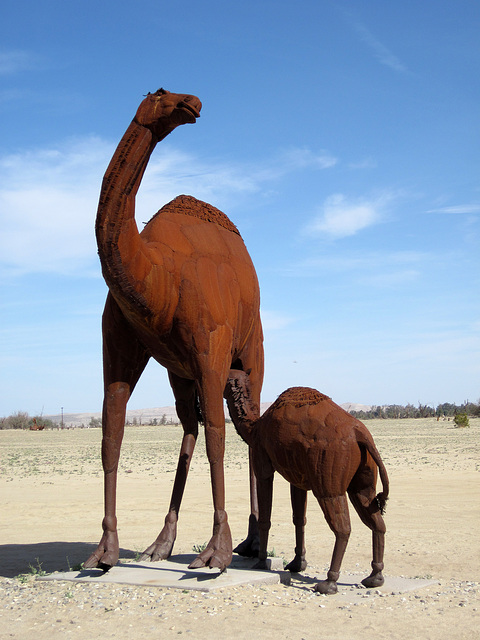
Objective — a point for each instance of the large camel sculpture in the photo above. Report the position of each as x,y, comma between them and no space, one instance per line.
184,292
315,445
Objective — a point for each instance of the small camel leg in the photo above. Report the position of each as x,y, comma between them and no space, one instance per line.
298,499
376,579
265,498
338,519
366,507
249,548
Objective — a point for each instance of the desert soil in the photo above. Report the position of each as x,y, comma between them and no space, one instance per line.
51,504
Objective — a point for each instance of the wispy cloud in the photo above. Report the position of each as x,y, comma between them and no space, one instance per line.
299,158
381,51
47,207
367,269
48,197
460,209
368,261
341,216
366,163
16,60
273,321
392,279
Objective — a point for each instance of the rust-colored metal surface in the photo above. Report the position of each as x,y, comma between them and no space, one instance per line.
316,446
184,292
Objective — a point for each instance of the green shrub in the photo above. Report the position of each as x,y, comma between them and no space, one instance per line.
461,420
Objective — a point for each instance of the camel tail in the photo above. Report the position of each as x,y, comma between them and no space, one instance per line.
382,497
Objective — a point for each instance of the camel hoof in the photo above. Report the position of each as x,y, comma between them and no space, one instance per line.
157,552
162,548
106,554
326,587
212,558
100,562
218,553
373,580
297,565
250,547
261,565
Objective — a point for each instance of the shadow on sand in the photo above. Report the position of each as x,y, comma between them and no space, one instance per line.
52,556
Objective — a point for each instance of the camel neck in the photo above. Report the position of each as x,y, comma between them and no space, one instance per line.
125,172
115,225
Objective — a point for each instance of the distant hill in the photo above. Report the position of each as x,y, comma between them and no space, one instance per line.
147,416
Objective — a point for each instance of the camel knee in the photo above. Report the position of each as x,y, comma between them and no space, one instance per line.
109,523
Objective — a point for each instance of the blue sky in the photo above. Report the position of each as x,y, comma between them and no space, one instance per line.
342,137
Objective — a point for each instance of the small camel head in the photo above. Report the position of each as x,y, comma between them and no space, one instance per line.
239,383
162,111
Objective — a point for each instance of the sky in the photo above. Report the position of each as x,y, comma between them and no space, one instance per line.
341,137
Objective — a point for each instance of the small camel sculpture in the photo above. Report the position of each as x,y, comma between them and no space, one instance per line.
315,445
184,292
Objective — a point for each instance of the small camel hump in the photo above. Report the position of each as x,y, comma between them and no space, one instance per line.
299,397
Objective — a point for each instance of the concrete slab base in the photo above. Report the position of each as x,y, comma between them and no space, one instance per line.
175,574
351,590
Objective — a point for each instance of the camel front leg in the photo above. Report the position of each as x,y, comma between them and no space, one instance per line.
185,397
298,499
218,552
106,554
124,359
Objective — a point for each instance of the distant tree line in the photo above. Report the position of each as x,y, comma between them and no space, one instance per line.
398,411
21,419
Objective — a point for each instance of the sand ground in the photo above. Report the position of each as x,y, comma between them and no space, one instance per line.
51,509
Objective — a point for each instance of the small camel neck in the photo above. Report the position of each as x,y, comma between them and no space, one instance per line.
241,409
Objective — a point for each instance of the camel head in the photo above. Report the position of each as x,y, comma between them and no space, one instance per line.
162,111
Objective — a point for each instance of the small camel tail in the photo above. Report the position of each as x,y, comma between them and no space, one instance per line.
369,444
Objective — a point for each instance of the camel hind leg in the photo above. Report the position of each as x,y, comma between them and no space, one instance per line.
362,494
185,398
335,510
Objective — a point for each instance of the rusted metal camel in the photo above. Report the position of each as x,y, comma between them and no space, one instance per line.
315,445
184,292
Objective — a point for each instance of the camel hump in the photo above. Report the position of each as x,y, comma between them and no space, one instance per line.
299,397
190,206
